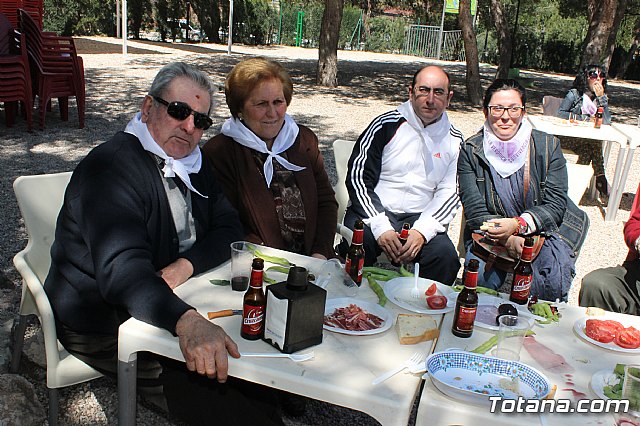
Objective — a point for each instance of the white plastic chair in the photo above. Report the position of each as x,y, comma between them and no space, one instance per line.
40,199
341,153
579,178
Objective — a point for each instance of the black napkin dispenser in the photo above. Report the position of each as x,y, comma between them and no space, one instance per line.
294,313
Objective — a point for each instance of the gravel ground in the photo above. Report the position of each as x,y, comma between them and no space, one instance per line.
370,85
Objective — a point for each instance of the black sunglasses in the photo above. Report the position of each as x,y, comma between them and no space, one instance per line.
181,111
593,74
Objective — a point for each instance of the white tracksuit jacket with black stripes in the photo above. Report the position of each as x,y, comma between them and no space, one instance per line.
399,165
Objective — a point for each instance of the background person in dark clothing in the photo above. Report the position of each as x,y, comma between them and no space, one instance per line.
141,215
582,102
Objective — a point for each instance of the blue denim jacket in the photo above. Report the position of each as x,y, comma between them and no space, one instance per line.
553,211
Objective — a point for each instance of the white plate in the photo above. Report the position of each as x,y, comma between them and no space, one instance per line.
626,320
369,307
473,378
600,379
398,291
488,302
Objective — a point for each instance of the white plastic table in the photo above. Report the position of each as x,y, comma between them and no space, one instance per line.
607,134
633,136
341,372
436,408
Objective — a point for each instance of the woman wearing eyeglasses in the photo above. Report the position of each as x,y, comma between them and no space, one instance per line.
581,103
270,167
515,177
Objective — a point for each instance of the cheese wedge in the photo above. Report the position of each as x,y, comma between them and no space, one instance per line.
416,328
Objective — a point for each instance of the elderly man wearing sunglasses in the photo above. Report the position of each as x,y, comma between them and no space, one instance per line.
581,103
141,214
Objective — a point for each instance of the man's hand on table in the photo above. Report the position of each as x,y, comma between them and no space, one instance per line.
318,256
177,272
205,346
412,247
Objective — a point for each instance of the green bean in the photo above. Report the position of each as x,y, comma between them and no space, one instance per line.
483,348
278,268
382,298
379,277
272,259
405,273
220,282
485,290
268,280
375,270
486,346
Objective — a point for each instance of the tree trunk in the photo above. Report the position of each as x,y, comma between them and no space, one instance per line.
208,13
474,90
601,18
327,74
611,41
632,50
504,38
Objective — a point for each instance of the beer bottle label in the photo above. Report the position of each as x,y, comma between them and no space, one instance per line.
252,319
349,267
521,286
466,317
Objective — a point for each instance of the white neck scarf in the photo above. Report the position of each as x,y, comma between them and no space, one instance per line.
172,167
588,106
507,157
236,130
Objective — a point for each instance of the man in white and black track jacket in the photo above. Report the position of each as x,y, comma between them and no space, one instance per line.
403,169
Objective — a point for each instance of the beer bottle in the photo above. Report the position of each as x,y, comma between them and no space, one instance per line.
404,234
467,302
355,256
253,306
598,116
523,275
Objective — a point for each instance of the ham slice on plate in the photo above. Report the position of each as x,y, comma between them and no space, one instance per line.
353,318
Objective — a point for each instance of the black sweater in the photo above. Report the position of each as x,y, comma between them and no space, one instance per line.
115,231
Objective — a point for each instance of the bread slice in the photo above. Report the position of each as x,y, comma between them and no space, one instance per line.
592,311
416,328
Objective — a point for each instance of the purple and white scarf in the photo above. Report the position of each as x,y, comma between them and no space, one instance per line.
507,157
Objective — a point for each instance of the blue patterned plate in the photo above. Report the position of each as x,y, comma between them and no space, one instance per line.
474,378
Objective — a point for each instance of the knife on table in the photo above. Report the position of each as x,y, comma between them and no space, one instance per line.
225,313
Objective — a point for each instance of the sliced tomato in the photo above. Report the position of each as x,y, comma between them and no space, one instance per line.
628,338
436,302
431,290
615,325
600,330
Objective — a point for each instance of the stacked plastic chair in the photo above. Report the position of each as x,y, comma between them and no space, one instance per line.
9,8
57,71
15,77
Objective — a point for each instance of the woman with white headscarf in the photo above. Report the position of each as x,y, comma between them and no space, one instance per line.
270,167
494,168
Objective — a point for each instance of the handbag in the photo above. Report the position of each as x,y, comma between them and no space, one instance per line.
495,254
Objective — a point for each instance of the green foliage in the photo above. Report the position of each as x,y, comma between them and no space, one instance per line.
254,21
84,17
387,35
545,38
